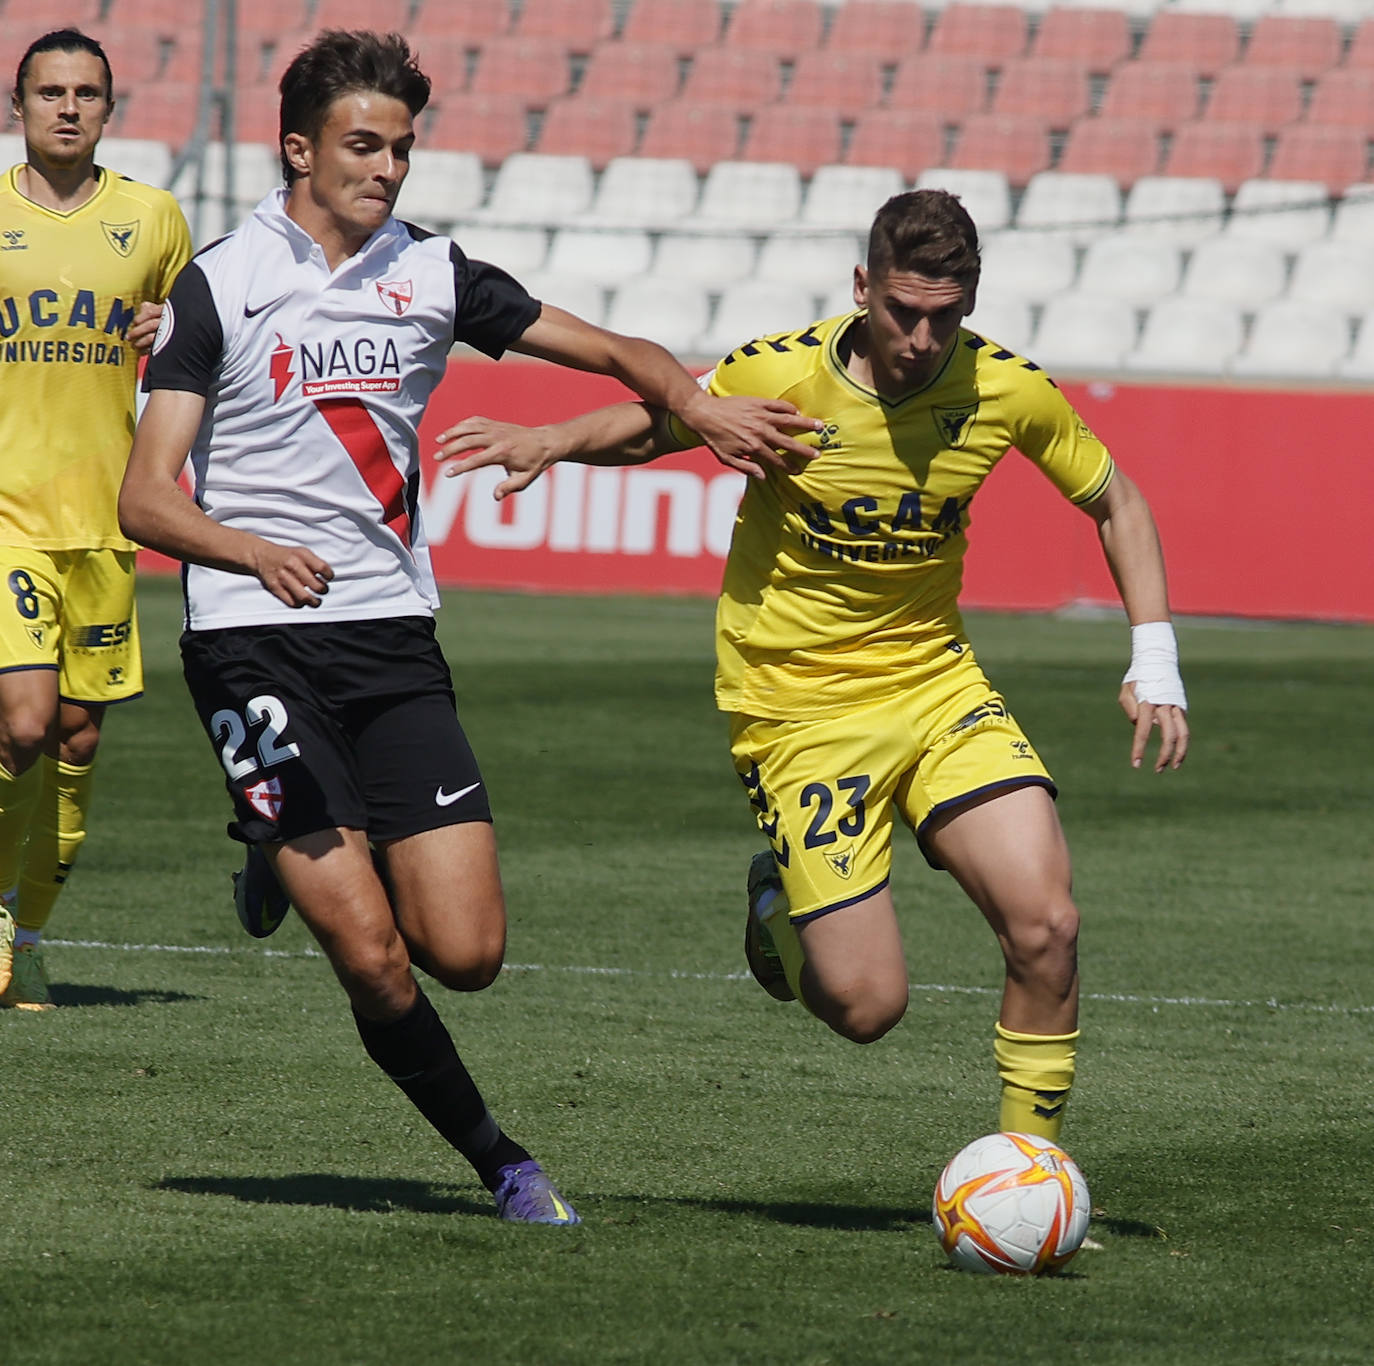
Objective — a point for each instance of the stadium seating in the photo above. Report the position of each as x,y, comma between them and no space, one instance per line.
749,194
1359,364
1051,89
1099,38
645,191
951,86
785,28
1343,98
1025,265
520,250
472,23
886,29
1163,94
145,159
674,313
985,194
386,16
1360,53
702,135
1308,46
1078,208
642,74
1206,42
572,293
1007,321
604,255
756,308
685,28
848,196
492,127
994,33
845,82
1125,149
1335,273
598,129
530,188
1228,152
1267,97
1294,338
904,140
1289,213
1188,336
808,138
1338,157
1018,147
1085,332
733,78
1179,209
1236,271
811,261
1353,220
1123,265
710,259
442,186
578,24
537,70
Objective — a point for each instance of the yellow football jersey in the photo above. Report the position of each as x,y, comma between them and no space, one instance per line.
70,284
842,581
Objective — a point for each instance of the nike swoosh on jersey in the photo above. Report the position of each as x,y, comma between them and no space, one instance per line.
261,308
442,798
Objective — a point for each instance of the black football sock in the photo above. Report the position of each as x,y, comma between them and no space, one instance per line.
417,1053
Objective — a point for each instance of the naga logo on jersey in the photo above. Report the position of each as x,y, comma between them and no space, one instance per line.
123,237
13,239
396,294
280,367
265,798
954,424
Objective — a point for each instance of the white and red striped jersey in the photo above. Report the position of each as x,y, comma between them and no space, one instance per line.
315,382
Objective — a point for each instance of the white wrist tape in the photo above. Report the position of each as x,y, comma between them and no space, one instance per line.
1154,665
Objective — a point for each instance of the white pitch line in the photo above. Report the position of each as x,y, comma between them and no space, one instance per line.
941,988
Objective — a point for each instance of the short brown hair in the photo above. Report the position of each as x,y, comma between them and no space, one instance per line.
343,63
63,40
926,232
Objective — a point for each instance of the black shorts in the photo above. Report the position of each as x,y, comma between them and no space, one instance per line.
325,725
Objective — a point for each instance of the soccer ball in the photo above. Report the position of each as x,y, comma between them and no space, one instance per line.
1013,1204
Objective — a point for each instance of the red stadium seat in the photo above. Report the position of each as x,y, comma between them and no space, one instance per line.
536,69
996,33
888,29
1228,152
1165,93
263,16
646,74
734,78
683,27
701,134
1098,37
1124,148
1360,53
786,28
908,140
581,125
1339,156
135,57
384,16
953,86
161,110
578,24
847,82
257,113
1206,42
808,138
1017,146
1268,96
1051,88
477,23
493,126
1309,46
446,58
1343,98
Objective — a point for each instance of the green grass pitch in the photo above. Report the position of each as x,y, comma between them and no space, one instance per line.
200,1164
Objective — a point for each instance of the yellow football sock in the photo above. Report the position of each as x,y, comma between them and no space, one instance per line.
58,828
17,798
1037,1072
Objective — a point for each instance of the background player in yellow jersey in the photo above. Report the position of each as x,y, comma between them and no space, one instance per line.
86,256
852,688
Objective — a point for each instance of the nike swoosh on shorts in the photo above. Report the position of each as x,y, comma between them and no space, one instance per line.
442,798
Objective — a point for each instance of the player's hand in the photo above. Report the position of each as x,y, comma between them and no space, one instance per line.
143,329
523,452
292,574
748,434
1145,717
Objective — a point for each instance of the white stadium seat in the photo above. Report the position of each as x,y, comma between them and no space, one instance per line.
836,300
1085,332
1183,209
1188,336
572,293
143,159
441,188
533,188
1236,270
1025,265
1295,339
650,192
714,259
1360,362
1004,320
848,196
985,194
814,261
755,308
606,255
1336,273
1353,220
1126,266
518,250
1077,207
673,313
1290,213
749,194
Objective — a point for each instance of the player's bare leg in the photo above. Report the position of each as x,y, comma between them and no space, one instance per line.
1009,854
331,881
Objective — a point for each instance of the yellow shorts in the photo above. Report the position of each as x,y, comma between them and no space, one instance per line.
824,791
72,611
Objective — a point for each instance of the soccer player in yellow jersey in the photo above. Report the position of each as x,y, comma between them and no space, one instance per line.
86,256
852,688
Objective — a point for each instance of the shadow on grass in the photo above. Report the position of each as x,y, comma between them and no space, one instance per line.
65,994
1128,1228
368,1195
812,1213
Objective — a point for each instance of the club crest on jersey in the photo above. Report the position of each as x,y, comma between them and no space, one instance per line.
123,237
396,294
265,798
954,424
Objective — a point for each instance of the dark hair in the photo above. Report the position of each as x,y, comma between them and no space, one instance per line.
343,63
927,232
64,40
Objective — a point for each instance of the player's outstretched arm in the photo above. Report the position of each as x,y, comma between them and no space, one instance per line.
747,434
1152,693
154,510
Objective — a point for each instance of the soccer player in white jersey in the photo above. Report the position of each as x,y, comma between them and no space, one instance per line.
85,258
293,364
